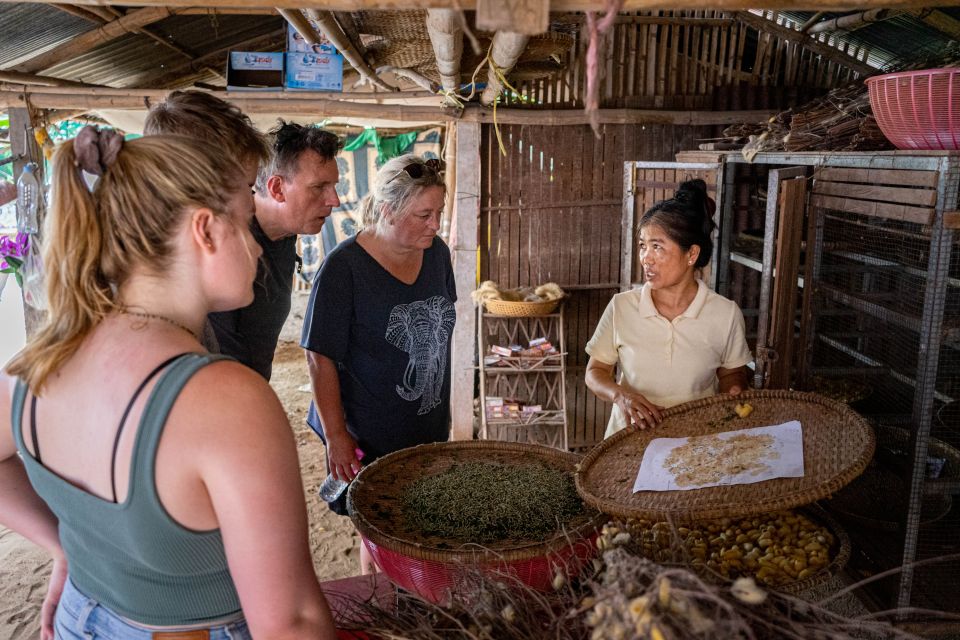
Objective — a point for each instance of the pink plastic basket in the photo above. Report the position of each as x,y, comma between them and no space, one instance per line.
918,109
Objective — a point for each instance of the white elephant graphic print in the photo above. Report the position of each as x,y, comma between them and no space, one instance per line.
422,329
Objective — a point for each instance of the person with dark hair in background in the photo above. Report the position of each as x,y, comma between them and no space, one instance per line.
674,339
295,191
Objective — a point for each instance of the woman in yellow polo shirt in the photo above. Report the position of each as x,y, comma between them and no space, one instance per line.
674,339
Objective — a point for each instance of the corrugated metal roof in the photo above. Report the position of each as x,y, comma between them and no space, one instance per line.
892,42
30,29
133,59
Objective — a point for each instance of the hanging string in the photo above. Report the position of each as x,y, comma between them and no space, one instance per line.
596,33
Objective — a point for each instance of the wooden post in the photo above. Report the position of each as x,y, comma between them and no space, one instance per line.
463,245
23,147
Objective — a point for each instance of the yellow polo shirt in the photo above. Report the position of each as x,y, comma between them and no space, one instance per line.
669,362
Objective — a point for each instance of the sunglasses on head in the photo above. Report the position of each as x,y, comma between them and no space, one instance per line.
417,170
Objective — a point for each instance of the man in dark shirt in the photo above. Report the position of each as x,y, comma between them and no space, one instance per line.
295,193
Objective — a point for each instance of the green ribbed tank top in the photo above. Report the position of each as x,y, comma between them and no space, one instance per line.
132,557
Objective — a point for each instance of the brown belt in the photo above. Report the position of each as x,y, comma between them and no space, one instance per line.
199,634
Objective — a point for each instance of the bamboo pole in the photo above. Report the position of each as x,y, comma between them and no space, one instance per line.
854,21
323,105
47,81
331,29
80,12
301,24
814,19
504,53
443,26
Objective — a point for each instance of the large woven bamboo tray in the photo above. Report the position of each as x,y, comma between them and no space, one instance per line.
837,446
375,495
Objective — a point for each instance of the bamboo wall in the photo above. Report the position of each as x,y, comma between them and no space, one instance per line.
551,211
663,59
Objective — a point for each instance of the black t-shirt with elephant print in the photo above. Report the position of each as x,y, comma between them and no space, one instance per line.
391,343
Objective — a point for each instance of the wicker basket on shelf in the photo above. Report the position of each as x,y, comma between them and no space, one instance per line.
520,309
431,566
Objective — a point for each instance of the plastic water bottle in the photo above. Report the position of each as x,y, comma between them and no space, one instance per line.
332,487
28,201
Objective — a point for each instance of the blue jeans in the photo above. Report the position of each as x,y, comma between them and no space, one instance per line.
81,618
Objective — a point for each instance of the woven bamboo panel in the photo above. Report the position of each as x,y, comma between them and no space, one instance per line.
375,494
837,446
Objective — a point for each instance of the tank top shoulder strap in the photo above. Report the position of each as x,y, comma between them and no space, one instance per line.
153,419
16,416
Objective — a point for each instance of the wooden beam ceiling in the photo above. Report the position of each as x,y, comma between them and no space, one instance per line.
791,35
322,105
556,5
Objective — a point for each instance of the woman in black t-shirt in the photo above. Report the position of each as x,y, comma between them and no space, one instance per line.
378,325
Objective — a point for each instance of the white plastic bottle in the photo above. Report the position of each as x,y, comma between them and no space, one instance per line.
28,201
332,487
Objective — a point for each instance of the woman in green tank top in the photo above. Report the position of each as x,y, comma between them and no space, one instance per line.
171,474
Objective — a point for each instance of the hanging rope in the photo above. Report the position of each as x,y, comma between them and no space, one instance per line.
596,34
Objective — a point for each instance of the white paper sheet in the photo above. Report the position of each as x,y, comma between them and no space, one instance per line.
732,457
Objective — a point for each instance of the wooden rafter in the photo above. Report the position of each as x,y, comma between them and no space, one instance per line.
44,81
791,35
82,12
556,5
940,21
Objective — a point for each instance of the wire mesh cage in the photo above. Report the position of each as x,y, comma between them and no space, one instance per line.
877,324
886,317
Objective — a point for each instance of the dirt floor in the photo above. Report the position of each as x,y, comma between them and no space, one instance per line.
334,543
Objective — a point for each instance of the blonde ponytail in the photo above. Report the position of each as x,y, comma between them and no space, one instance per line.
94,241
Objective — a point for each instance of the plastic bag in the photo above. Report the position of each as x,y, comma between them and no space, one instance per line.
34,293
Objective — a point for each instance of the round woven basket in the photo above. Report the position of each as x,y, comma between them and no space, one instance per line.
839,553
837,446
431,566
520,309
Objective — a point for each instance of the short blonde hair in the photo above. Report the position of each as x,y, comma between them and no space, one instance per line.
95,240
394,187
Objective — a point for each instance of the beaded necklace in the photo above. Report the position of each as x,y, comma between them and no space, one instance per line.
157,316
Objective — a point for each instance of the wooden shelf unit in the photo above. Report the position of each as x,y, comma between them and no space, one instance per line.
540,380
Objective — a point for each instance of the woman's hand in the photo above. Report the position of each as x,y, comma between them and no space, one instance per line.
342,457
58,577
637,409
732,381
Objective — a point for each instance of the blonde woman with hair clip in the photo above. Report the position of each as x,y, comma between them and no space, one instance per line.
159,526
378,325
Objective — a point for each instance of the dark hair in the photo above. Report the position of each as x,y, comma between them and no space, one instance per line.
202,115
288,141
687,218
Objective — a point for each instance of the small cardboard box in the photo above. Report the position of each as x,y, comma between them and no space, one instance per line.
315,71
254,71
